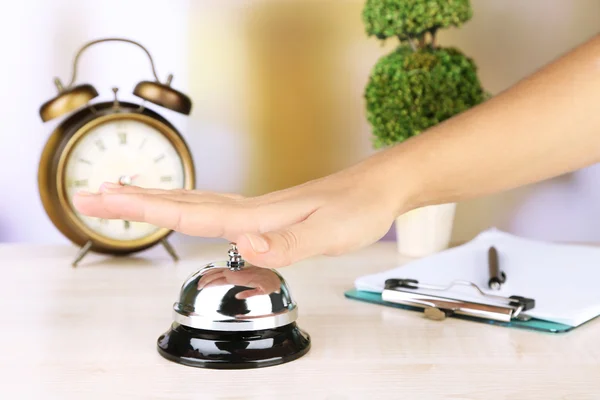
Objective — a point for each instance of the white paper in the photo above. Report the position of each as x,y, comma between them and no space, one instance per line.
563,279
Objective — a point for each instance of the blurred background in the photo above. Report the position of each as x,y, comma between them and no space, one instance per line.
277,89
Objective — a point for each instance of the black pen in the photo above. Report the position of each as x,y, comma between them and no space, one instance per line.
497,277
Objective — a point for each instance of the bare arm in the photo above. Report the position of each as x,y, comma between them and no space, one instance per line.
544,126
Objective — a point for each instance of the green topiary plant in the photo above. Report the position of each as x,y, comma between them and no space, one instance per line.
419,84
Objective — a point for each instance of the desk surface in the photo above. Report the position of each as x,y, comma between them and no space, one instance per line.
91,332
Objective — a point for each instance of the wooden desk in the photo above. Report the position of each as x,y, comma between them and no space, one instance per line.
90,333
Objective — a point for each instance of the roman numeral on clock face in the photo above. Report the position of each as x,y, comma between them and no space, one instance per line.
100,145
122,137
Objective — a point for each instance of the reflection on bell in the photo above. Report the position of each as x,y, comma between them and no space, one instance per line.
231,315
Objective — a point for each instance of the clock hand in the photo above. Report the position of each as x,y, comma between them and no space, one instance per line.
125,181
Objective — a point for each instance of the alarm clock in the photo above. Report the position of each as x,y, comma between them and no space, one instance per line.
111,141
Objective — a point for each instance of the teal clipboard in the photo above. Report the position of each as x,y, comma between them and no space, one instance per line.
532,324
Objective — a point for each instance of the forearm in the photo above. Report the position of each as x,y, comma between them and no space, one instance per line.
546,125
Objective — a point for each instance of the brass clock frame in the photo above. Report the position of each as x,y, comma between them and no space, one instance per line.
75,99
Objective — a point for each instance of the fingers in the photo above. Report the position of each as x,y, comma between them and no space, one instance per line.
288,245
179,194
207,216
211,219
290,236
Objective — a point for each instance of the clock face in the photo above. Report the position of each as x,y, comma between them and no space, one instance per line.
128,152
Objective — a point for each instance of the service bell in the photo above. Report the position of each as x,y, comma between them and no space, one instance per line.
233,315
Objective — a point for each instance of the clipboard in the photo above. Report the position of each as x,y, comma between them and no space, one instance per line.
435,304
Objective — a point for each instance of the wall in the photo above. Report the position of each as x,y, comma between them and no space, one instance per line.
277,90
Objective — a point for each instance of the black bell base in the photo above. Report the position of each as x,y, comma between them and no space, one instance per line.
233,350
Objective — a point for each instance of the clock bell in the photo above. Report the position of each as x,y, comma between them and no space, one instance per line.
73,96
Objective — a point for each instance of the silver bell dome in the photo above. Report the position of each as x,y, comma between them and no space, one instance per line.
234,296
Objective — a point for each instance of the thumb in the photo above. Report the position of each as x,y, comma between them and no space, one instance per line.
284,246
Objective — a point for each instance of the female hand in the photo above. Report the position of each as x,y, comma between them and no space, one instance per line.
329,216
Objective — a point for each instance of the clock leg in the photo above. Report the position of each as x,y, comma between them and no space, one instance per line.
169,249
84,250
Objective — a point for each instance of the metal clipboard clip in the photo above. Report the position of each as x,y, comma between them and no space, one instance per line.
401,291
